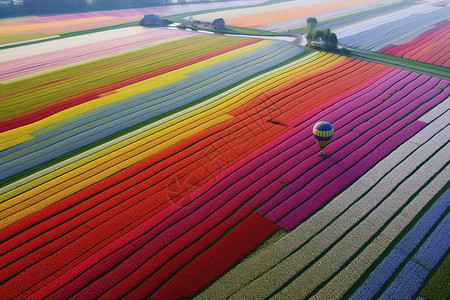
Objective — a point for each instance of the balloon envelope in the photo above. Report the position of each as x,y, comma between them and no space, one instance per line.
323,132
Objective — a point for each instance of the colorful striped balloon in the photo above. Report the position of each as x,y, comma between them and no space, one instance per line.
323,132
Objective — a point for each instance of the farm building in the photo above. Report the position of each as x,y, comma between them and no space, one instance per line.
153,20
218,23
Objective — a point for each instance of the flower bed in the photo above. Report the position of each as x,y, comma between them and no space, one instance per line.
418,33
430,47
399,254
257,17
330,251
17,30
77,85
132,150
35,63
166,209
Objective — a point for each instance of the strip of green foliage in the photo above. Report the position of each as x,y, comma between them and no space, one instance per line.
399,62
237,30
17,38
25,38
438,285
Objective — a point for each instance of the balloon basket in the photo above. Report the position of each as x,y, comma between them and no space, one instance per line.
322,153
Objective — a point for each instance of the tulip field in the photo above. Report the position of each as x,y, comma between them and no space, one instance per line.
167,164
290,14
430,47
22,29
419,33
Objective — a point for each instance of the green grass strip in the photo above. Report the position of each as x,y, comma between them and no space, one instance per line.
25,37
100,29
17,38
438,285
238,30
35,169
403,63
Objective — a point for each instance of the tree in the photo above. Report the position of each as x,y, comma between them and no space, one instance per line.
311,23
11,6
323,38
333,38
329,40
320,38
317,35
309,37
53,6
345,51
4,9
30,6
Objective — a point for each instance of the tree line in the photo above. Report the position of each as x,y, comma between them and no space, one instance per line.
324,39
61,6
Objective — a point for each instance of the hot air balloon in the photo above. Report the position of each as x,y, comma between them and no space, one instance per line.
323,132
